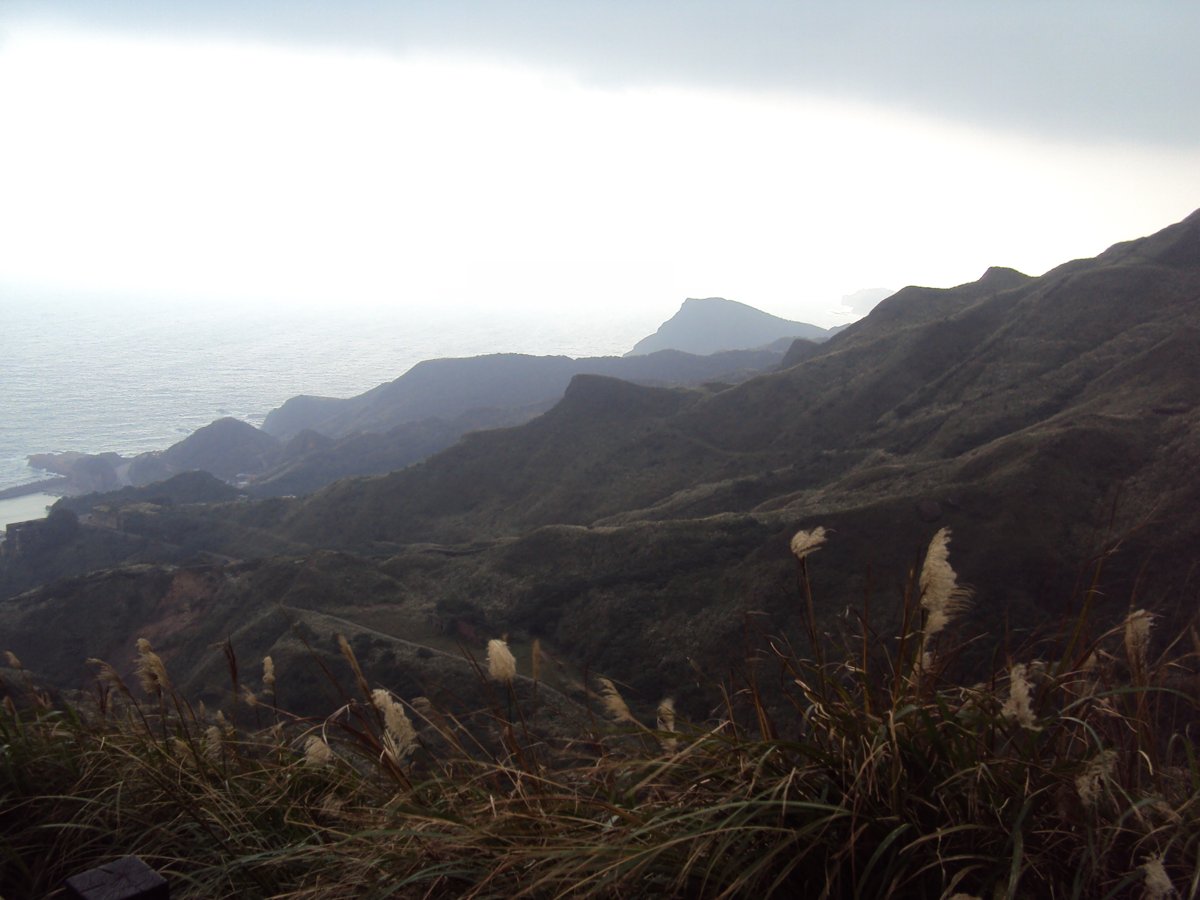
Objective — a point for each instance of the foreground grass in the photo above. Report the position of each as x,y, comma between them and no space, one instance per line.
868,775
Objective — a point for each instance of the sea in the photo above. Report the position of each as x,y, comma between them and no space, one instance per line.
130,376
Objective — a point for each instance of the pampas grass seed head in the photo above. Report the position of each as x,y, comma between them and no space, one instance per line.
1018,707
212,742
1157,885
666,714
268,675
396,722
666,722
502,665
805,542
10,660
1090,781
1137,637
941,596
317,753
151,671
106,674
614,703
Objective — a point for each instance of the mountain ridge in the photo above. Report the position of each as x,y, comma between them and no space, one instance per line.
1046,420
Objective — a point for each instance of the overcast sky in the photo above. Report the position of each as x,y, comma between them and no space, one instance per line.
583,155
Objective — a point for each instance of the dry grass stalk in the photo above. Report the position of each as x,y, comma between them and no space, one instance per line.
348,654
870,768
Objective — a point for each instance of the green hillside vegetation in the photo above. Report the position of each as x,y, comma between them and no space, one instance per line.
641,533
882,774
1044,419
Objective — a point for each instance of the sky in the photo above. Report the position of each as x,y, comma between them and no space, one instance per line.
609,156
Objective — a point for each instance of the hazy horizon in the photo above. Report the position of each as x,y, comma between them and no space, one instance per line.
583,156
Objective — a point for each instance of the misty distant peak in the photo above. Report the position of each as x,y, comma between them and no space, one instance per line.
714,324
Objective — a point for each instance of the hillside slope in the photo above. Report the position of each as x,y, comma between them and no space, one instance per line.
934,387
447,389
1050,422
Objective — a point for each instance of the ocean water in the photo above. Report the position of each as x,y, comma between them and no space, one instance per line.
128,376
24,508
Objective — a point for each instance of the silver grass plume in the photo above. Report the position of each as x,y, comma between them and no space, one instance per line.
150,669
1018,707
502,665
10,660
941,596
805,542
666,722
1157,884
317,753
614,703
1089,782
109,676
396,723
1137,638
212,743
268,676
